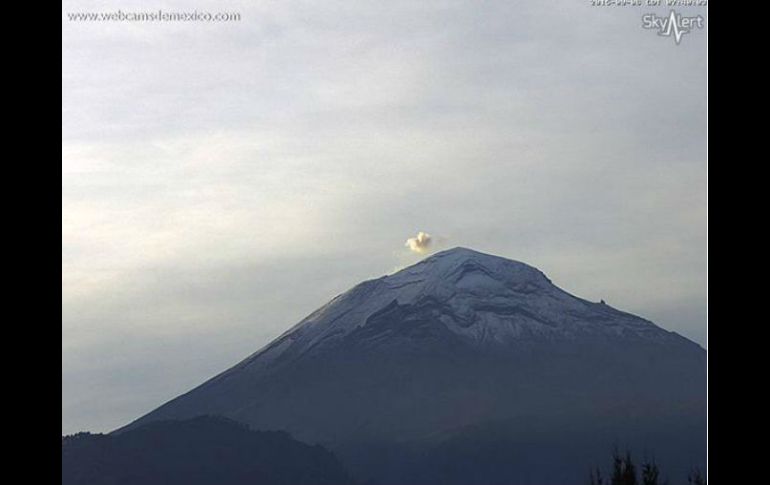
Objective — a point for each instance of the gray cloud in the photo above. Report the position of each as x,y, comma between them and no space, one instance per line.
221,181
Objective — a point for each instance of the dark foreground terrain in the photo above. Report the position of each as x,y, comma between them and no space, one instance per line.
204,450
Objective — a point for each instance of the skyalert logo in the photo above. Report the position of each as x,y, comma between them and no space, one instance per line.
675,25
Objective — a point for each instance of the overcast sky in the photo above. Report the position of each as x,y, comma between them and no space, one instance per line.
222,180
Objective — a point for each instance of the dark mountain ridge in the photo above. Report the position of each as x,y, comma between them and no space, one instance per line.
205,450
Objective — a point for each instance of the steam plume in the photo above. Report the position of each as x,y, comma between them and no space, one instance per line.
419,243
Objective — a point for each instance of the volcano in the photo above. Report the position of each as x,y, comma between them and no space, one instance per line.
469,368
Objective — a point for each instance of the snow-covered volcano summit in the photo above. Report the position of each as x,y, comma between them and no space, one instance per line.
484,299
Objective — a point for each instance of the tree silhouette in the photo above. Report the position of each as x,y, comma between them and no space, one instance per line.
696,477
624,473
650,473
617,468
596,477
629,470
623,469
